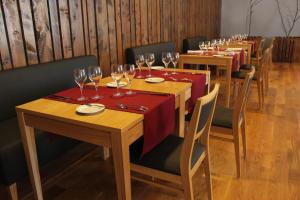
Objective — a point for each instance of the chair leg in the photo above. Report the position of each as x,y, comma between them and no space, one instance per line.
262,92
187,187
244,138
208,178
13,192
237,151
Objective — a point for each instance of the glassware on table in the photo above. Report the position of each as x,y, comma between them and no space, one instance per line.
174,59
95,75
166,59
149,59
129,73
117,72
140,61
80,78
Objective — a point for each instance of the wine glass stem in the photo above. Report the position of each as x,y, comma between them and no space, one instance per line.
81,91
96,88
149,70
118,87
140,70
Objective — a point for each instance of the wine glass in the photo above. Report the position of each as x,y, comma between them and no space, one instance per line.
129,73
175,59
139,61
117,73
80,78
166,59
95,75
149,59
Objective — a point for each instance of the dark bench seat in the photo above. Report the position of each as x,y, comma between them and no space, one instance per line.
23,85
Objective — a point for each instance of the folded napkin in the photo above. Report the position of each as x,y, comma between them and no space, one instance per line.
234,49
195,51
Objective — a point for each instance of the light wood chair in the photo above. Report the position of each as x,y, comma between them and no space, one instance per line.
238,77
270,62
256,60
172,163
228,124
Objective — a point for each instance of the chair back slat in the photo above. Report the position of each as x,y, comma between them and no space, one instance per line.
243,96
199,127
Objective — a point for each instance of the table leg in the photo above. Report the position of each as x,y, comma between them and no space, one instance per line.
228,84
28,140
120,151
181,114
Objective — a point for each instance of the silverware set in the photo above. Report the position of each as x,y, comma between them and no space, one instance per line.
133,107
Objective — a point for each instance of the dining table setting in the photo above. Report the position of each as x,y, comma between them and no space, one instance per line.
113,112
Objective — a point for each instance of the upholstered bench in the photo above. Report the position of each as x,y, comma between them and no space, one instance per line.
157,49
22,85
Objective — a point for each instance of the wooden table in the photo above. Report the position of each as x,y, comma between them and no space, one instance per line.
113,129
225,62
244,45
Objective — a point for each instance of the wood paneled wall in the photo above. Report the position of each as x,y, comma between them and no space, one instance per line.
38,31
286,49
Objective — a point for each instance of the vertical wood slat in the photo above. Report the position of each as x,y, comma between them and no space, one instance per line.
125,20
28,30
4,47
119,30
112,32
92,28
144,22
55,29
85,26
137,12
42,26
102,32
65,28
132,22
14,31
77,27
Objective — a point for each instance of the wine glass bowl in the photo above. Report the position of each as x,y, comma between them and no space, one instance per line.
80,78
129,73
95,75
117,73
140,61
174,60
166,59
149,59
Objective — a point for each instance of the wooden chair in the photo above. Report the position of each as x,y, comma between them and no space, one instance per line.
269,63
176,159
256,60
227,124
238,77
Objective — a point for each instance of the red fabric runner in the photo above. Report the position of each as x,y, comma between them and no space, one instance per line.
159,119
198,83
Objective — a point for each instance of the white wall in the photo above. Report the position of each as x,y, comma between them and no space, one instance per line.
265,20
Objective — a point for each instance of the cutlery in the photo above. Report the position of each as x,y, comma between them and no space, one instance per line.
174,79
138,108
186,79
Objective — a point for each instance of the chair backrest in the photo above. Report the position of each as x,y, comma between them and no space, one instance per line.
199,126
263,64
157,49
242,98
192,43
25,84
268,42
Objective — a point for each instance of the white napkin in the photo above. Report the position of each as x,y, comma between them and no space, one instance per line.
195,51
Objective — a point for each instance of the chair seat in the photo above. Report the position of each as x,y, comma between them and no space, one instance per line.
166,156
246,66
241,75
222,117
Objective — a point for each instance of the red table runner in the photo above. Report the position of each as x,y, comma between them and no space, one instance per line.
159,119
198,83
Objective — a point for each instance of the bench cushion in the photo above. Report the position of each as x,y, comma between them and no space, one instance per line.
192,43
157,49
12,159
25,84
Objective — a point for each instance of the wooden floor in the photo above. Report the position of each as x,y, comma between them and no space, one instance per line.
271,170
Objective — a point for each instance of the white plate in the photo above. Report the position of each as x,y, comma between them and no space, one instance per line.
154,80
114,84
157,67
90,109
218,55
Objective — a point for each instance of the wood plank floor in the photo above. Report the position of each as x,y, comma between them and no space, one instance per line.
271,170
